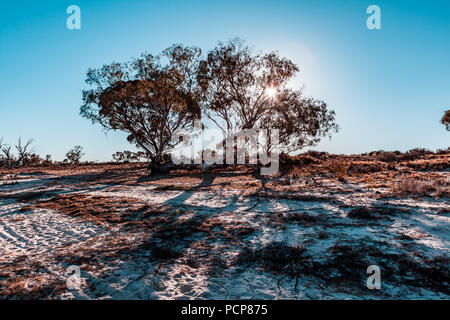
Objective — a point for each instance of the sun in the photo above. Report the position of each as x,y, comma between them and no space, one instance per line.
271,92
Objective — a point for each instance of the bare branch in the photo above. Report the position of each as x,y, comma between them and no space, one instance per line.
24,152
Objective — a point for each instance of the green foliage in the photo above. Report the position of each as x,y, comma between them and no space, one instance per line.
145,98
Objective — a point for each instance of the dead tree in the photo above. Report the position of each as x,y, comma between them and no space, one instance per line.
2,160
9,157
24,152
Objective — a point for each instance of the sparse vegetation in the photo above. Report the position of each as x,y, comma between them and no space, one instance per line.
74,155
446,120
128,156
340,169
299,160
23,157
212,194
171,223
152,101
148,100
235,81
437,188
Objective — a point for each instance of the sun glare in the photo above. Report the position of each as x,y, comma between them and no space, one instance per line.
271,92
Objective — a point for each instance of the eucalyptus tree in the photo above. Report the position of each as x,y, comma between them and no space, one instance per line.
245,90
445,120
150,98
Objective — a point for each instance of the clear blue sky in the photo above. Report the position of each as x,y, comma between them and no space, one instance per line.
388,87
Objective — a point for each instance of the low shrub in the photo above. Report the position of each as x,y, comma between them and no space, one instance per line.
297,161
436,188
340,169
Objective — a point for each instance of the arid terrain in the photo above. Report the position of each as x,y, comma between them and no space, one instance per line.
309,232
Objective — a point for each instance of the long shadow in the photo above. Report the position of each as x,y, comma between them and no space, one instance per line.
206,182
172,238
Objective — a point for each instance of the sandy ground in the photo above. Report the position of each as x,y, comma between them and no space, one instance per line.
218,235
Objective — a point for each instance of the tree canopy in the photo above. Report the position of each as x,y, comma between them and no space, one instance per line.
153,97
446,120
145,98
247,90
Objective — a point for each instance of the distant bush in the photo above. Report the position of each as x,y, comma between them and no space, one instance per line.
125,156
442,151
129,156
396,156
21,158
433,165
48,160
35,160
365,167
422,187
317,154
74,155
415,154
297,161
387,156
340,169
446,120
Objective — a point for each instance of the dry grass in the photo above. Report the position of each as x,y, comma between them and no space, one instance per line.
437,188
423,174
348,263
340,169
100,210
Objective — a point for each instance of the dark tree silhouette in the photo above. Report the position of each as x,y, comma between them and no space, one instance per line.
301,121
8,155
23,152
446,120
147,99
5,158
125,156
233,87
247,90
74,155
